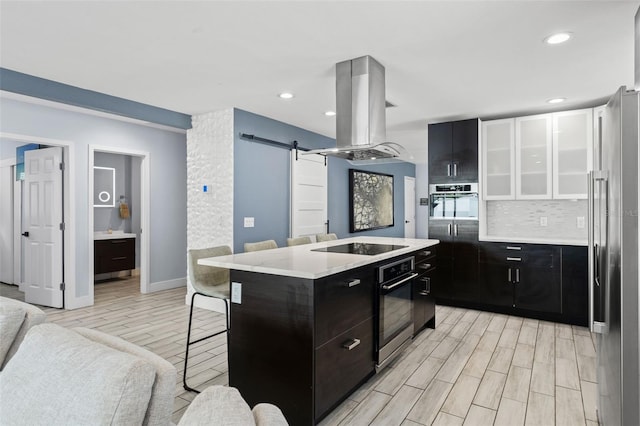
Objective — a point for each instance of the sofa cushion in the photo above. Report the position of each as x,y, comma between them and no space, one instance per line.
58,377
220,406
33,316
11,318
162,394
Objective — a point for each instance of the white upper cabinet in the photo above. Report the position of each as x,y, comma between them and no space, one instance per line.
572,152
498,155
537,157
533,157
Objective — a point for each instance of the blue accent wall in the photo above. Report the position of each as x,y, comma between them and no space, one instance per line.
339,196
262,182
29,85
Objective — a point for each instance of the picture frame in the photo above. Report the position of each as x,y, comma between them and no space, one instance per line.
370,200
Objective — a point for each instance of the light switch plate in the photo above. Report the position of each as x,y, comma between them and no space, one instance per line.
236,293
249,222
543,221
580,222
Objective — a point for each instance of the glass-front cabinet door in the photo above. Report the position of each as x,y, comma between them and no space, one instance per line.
498,157
533,157
572,152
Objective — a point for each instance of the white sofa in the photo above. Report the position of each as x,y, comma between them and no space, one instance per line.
224,406
60,377
16,318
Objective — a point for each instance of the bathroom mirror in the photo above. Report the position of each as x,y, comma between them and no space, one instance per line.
104,186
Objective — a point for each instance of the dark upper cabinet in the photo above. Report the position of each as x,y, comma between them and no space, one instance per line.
453,151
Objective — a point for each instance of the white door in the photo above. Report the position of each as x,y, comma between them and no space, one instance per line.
409,207
308,195
42,223
6,224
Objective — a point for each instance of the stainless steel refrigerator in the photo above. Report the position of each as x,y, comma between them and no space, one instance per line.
613,256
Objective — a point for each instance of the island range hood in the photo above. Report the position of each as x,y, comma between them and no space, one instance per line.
360,113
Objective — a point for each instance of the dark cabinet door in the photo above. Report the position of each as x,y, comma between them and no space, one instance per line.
440,152
465,259
495,284
443,287
465,151
575,284
538,284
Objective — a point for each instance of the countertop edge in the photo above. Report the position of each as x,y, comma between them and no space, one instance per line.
272,270
114,236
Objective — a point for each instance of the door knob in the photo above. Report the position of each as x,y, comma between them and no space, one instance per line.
25,234
406,221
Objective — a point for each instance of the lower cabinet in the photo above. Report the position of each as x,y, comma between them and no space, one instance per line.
114,255
521,276
534,280
424,304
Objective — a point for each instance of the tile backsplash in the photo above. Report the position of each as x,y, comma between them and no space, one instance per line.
521,218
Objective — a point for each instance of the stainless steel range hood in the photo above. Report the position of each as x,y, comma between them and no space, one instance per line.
360,112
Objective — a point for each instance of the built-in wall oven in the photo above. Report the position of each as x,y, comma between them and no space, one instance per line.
453,201
395,308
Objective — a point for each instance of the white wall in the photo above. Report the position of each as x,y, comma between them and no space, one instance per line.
210,162
167,152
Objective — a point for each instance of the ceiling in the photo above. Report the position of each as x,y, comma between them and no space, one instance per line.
444,60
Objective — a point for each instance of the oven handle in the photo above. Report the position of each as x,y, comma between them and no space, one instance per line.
399,283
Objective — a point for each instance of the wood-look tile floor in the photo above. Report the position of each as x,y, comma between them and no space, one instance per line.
475,368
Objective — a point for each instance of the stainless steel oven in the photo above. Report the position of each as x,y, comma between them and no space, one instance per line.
395,308
453,201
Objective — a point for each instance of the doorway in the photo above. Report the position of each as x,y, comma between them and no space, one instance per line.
409,207
55,264
118,191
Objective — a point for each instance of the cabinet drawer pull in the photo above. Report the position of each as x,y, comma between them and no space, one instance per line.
353,283
509,275
515,259
514,248
348,345
518,276
424,266
426,253
424,293
119,258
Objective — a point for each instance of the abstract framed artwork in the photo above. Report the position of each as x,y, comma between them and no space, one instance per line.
370,200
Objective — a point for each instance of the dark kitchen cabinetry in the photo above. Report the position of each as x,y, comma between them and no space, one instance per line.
453,152
456,276
575,294
424,304
302,344
522,276
114,255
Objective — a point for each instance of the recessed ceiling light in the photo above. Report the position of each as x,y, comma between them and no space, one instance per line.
286,95
330,113
556,100
557,38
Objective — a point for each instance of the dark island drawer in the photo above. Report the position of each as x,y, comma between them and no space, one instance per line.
342,301
341,364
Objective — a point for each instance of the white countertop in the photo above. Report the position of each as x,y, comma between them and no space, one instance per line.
115,235
301,262
531,240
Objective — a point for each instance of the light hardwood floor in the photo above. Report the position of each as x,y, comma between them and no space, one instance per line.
475,368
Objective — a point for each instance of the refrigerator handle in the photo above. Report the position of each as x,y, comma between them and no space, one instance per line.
590,242
596,179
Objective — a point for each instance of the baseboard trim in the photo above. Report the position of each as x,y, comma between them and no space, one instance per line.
166,285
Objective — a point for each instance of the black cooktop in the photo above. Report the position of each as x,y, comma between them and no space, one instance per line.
369,249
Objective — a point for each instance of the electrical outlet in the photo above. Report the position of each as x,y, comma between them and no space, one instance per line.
580,222
543,221
236,293
249,222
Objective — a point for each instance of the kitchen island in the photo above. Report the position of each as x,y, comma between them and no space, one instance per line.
304,320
